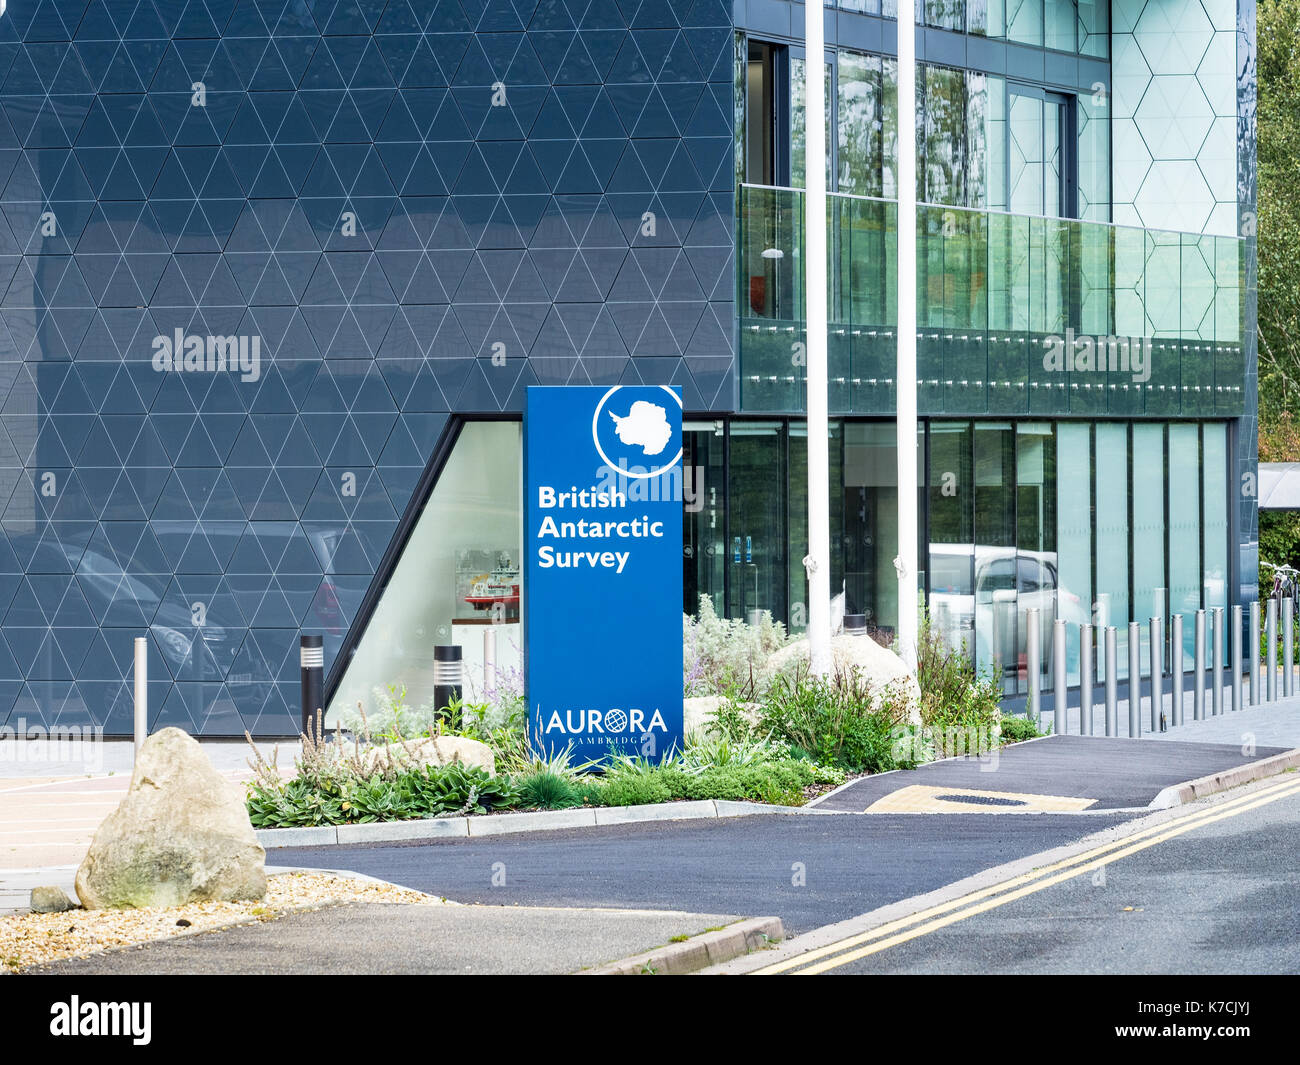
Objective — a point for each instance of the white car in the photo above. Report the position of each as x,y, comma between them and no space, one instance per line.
983,592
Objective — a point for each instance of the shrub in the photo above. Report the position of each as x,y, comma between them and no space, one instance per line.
432,791
631,788
953,693
1017,729
721,655
390,717
779,781
548,791
836,720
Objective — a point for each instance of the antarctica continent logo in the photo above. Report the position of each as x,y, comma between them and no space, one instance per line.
632,435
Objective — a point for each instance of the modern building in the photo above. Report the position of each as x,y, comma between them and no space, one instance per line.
276,274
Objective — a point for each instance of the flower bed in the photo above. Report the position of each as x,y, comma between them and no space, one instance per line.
780,741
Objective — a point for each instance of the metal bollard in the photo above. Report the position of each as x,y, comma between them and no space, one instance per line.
1270,652
1112,683
1176,669
1134,680
1157,675
1198,668
1216,671
311,666
448,679
1061,704
141,691
1254,653
1236,658
489,659
1085,679
1032,675
1288,648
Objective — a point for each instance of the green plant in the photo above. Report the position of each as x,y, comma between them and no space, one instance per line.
730,720
721,655
632,788
391,718
837,720
548,791
709,751
1017,729
961,707
403,794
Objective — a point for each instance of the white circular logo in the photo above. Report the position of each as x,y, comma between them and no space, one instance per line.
645,425
616,720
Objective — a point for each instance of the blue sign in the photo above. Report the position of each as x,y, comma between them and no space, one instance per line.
603,569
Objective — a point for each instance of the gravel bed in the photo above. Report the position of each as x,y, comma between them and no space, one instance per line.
36,938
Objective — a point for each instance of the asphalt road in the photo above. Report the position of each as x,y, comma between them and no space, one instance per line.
1223,898
807,870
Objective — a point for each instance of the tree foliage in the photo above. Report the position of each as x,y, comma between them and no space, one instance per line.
1278,43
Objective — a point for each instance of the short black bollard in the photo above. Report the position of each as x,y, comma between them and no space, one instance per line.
311,657
447,680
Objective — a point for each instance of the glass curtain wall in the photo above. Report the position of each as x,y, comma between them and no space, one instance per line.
704,529
758,579
1073,519
1214,521
1074,511
1184,530
1037,574
469,533
797,521
860,124
981,141
1110,470
1080,26
952,532
1150,586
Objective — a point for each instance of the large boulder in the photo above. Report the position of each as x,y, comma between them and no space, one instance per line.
181,835
878,666
429,751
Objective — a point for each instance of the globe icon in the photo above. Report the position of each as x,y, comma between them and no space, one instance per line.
616,721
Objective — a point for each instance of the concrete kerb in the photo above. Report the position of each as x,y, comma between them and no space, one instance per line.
506,824
1191,790
698,952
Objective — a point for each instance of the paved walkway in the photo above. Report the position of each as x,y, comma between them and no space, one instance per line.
51,802
1043,776
375,938
1275,724
33,760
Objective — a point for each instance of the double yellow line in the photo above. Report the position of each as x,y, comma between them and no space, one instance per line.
891,934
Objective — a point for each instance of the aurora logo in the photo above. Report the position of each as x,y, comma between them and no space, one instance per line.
616,720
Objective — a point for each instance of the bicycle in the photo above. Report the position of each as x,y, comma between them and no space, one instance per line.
1284,580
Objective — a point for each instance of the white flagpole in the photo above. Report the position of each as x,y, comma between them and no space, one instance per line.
817,561
906,562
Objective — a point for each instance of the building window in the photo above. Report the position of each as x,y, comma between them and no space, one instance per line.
458,575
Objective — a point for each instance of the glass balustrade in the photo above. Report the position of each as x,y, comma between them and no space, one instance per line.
1015,314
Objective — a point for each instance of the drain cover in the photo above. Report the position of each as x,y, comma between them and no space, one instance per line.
981,800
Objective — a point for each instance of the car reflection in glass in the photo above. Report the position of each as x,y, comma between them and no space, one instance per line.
984,593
